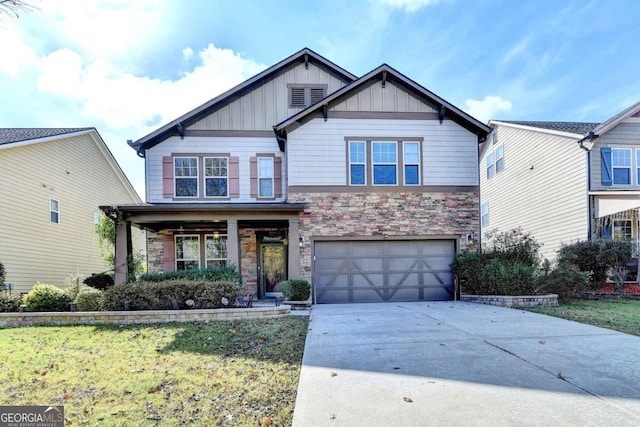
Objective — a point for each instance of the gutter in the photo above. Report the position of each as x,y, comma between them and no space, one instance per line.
589,137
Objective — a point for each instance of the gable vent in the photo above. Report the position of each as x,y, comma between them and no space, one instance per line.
302,96
297,97
316,94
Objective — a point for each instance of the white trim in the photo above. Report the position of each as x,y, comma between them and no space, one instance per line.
205,177
405,164
176,177
270,177
175,250
220,237
374,163
364,163
537,129
56,211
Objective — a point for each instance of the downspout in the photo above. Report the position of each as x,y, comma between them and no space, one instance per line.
589,137
282,143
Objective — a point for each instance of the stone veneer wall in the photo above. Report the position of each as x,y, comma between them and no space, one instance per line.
386,214
155,253
550,300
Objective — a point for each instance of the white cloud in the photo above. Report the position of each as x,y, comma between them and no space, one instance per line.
187,52
486,109
409,6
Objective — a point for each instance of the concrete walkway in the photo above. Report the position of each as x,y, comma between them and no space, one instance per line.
463,364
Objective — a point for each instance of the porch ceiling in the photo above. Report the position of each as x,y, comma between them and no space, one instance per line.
606,206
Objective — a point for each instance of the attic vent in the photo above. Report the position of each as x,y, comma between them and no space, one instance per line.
302,96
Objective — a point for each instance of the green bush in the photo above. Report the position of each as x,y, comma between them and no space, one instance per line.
44,297
100,281
296,290
160,295
2,277
218,274
89,300
9,303
565,280
597,257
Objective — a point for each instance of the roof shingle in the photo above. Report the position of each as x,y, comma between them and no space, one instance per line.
581,128
11,135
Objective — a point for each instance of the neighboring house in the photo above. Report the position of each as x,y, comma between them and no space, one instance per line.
563,181
53,181
367,187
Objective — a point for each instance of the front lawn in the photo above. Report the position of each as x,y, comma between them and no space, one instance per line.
217,373
618,314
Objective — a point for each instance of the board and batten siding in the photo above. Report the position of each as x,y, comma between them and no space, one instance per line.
268,104
390,98
625,135
73,171
317,151
243,148
542,188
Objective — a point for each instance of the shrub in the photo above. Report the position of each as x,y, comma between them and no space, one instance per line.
100,281
296,290
566,280
218,274
89,300
9,303
44,297
160,295
2,277
596,256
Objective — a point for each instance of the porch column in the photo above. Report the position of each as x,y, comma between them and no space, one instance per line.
123,245
293,266
233,243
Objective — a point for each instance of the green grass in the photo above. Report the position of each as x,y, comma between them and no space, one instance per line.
617,314
217,373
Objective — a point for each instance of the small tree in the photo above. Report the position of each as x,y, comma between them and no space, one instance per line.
106,230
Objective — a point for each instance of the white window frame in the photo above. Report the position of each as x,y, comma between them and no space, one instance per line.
54,211
484,214
637,177
628,226
270,177
357,163
220,238
207,177
176,177
499,159
406,163
614,166
375,163
177,260
490,165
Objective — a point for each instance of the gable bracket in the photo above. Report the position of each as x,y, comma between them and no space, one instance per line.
384,78
306,61
325,111
180,130
441,113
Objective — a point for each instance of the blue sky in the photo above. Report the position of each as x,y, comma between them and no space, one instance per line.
128,67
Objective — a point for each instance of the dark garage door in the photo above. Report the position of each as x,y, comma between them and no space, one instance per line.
375,271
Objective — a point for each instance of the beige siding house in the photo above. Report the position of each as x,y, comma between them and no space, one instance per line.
53,181
366,187
563,181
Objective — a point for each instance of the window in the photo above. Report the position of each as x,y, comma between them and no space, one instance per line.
638,167
186,176
215,250
621,163
187,252
97,218
499,160
304,96
484,214
54,211
490,169
265,176
622,229
357,163
385,161
216,176
411,153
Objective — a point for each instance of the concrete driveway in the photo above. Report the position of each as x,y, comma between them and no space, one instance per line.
454,363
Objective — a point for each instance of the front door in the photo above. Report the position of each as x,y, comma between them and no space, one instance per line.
272,268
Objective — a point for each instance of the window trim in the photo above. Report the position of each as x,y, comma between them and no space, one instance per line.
176,177
175,250
499,160
363,163
221,237
271,177
53,211
493,163
614,167
484,212
405,163
205,176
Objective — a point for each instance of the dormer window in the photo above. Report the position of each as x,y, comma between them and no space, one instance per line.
303,96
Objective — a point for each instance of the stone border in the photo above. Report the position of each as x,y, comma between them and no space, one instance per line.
13,320
550,300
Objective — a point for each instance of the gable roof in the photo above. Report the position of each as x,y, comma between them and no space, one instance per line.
580,128
615,120
14,135
176,126
385,73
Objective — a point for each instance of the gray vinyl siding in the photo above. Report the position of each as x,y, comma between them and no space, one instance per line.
267,104
390,98
318,156
624,135
243,148
73,171
542,188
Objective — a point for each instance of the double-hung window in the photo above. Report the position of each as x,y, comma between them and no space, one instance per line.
265,176
621,163
54,211
385,162
499,160
215,250
495,161
490,166
411,154
638,166
622,229
186,176
216,176
357,163
484,214
187,252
